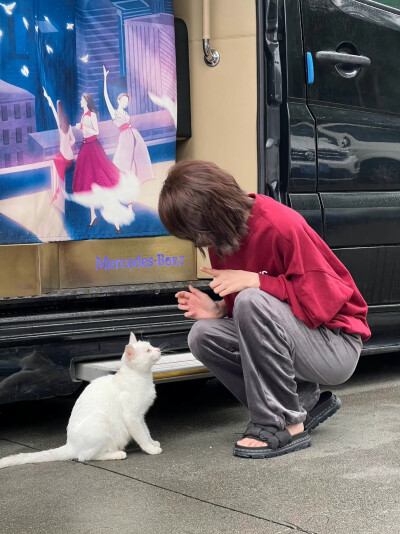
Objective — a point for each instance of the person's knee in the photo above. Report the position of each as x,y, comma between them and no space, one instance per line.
253,302
246,297
341,376
246,301
198,335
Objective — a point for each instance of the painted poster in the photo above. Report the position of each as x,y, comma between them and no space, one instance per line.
87,118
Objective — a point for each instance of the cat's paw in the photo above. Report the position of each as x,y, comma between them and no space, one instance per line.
120,455
152,449
155,443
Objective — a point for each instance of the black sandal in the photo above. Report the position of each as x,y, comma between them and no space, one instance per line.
327,405
279,442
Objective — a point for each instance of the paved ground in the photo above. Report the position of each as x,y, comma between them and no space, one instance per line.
347,483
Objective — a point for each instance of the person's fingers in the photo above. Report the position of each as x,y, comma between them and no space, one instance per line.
217,285
216,282
196,291
224,290
182,294
183,307
189,315
213,272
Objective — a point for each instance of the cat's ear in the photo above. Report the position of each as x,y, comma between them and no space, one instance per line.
129,352
132,339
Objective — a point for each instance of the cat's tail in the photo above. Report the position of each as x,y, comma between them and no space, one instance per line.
52,455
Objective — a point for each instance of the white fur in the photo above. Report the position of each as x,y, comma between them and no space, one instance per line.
108,414
111,200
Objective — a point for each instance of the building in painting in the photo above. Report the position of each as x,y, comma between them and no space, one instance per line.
127,9
154,37
17,121
130,9
106,30
97,44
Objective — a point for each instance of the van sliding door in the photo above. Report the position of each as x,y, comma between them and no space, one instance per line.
298,154
355,101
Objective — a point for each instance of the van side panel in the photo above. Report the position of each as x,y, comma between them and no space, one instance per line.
357,114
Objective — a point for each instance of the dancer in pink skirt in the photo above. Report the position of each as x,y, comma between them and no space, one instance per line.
65,158
92,165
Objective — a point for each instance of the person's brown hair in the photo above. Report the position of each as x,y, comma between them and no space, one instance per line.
204,204
90,103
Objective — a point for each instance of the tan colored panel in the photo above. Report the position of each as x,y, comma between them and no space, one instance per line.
19,270
227,18
201,262
108,262
27,270
223,98
224,112
48,267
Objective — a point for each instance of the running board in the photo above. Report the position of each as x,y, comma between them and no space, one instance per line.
170,368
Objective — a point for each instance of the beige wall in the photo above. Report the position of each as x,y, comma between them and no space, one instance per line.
223,98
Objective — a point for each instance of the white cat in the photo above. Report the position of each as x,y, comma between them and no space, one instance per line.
108,413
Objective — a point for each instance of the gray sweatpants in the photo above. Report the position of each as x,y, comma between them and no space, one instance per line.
270,360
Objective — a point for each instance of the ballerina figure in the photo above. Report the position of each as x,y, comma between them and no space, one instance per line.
131,154
65,158
94,171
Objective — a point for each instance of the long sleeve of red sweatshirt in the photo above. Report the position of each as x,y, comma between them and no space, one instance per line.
296,266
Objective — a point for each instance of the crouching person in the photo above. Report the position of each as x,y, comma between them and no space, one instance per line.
291,317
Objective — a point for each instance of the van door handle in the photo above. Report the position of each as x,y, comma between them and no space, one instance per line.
325,56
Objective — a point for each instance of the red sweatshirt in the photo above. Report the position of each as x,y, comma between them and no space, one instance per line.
297,267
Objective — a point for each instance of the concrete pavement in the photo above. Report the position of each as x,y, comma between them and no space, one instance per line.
347,482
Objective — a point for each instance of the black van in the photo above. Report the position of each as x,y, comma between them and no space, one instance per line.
328,145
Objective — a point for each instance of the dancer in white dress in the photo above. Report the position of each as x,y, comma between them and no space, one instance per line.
131,154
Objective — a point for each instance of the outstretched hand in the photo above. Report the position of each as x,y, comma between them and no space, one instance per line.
45,93
105,71
199,305
227,281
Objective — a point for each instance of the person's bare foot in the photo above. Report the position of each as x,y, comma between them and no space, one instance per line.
250,442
